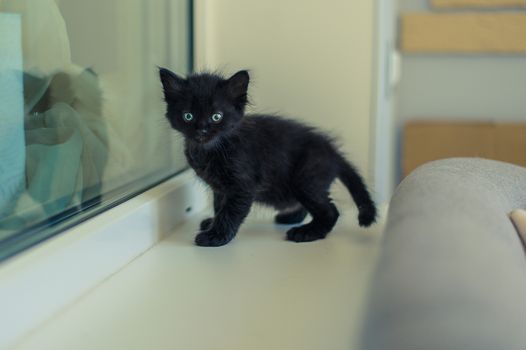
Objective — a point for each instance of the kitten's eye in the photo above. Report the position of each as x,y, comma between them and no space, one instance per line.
216,117
188,117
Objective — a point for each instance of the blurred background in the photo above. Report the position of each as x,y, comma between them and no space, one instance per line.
400,82
319,62
461,91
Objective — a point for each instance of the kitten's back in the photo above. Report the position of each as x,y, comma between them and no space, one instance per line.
278,130
280,144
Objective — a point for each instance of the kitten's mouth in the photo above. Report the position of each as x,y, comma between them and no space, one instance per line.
201,139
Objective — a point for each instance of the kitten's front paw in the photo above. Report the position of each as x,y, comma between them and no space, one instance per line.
206,224
211,238
366,215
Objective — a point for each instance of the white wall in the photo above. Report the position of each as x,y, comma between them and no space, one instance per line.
312,60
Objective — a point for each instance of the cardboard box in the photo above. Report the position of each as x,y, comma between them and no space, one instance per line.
427,141
464,32
478,3
510,143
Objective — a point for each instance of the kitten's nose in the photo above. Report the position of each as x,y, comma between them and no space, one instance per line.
202,132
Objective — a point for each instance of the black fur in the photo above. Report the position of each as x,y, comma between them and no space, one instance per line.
257,158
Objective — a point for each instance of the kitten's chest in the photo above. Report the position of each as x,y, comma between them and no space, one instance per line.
210,169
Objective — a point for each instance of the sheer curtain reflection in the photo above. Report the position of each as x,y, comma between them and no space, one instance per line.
84,116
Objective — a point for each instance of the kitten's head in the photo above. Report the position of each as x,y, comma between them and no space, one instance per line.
204,107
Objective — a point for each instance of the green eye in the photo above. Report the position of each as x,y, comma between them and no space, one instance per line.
216,117
188,117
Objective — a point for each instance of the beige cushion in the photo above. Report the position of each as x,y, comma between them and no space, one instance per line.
518,217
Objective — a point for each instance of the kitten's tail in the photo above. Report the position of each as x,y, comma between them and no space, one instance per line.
356,186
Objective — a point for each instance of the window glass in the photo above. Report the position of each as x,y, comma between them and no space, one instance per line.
82,122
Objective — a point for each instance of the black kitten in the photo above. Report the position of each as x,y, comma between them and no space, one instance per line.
262,158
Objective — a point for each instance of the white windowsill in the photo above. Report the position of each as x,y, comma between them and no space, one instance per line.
259,292
40,282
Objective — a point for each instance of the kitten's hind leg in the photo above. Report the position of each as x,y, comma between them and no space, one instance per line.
324,216
293,215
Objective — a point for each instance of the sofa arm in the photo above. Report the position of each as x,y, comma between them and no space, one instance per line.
452,273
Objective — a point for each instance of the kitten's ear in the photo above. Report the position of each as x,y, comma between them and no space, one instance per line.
237,86
172,83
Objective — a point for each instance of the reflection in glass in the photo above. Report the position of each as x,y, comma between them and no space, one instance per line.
81,115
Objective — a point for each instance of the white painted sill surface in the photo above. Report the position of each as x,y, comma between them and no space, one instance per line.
259,292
